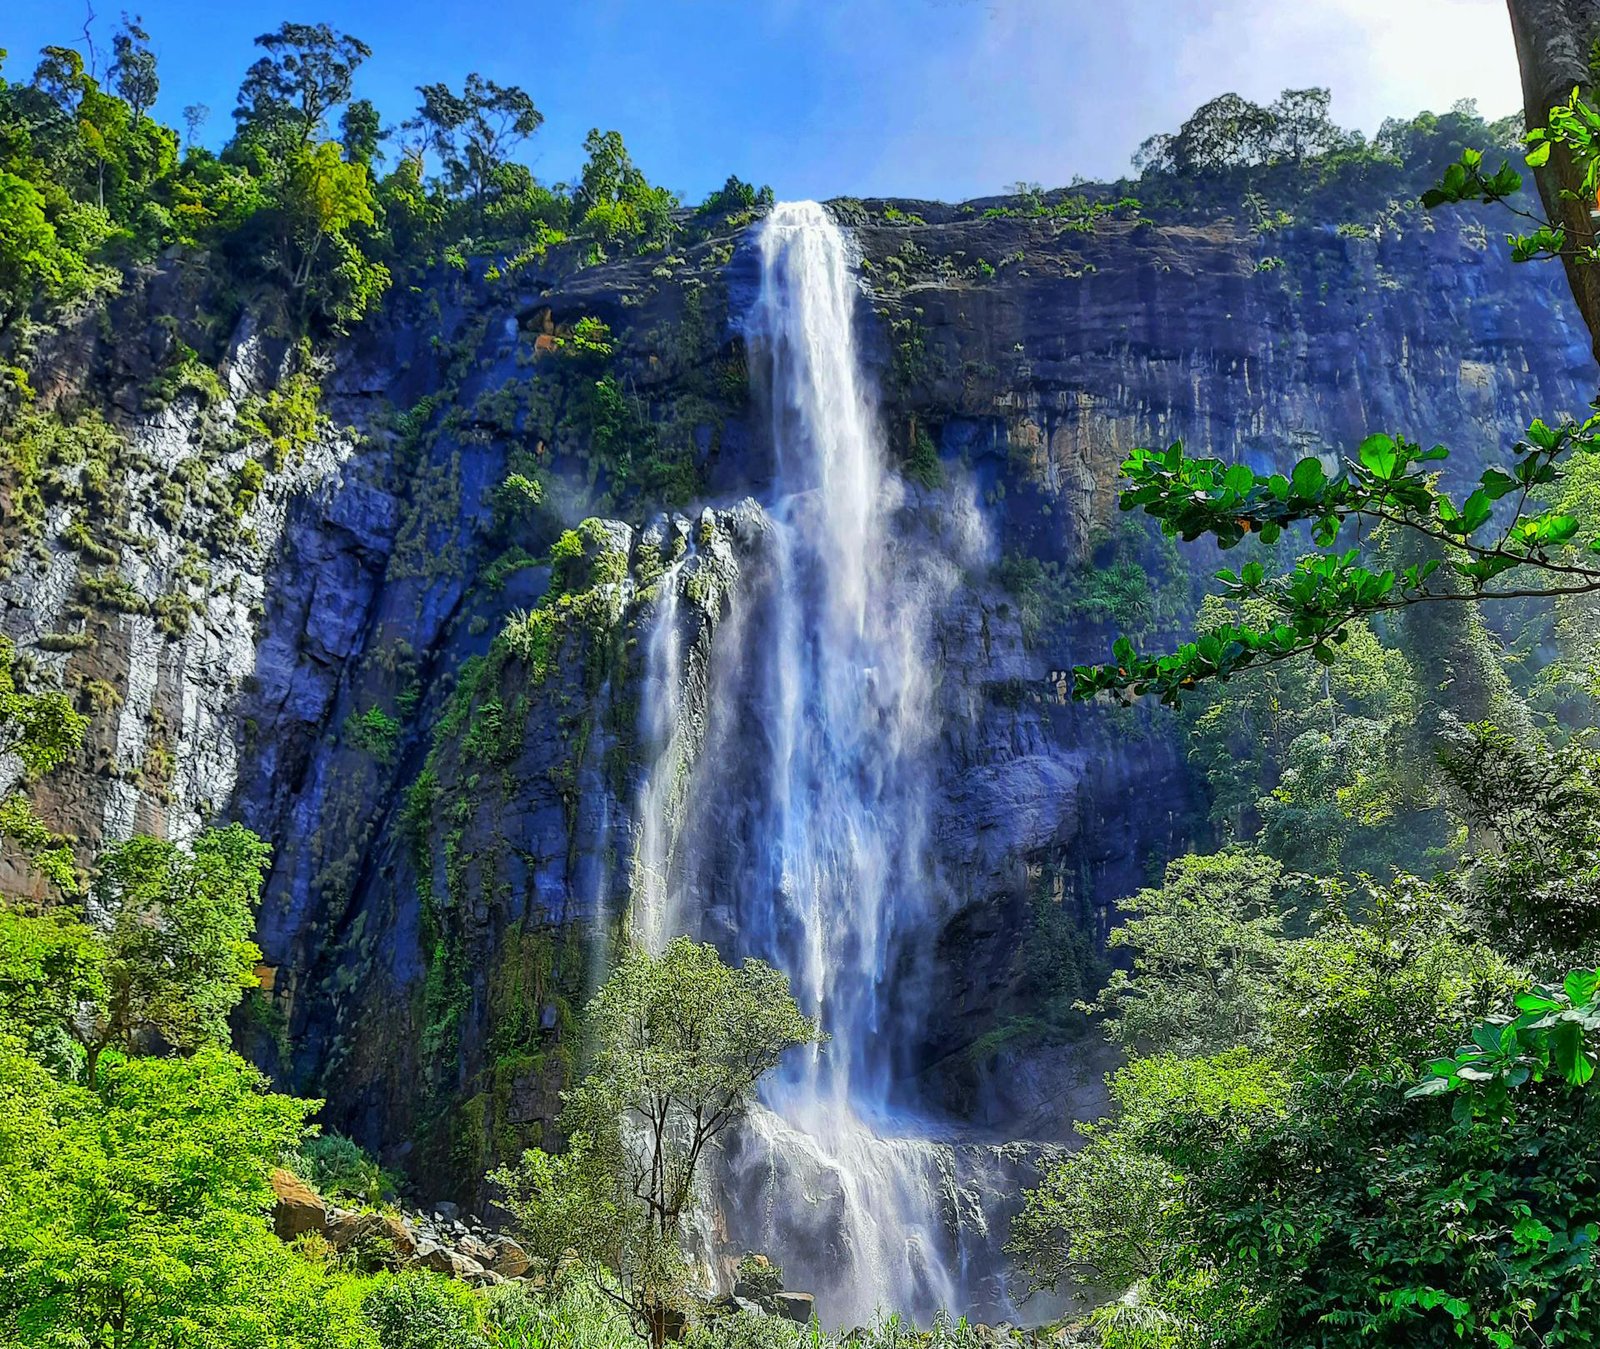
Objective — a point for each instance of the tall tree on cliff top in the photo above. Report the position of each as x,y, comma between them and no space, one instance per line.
474,132
305,74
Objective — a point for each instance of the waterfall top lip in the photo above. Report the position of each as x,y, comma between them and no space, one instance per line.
789,215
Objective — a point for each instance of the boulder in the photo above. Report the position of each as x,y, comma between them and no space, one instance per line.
508,1258
477,1250
796,1307
346,1227
380,1237
296,1207
444,1260
400,1236
446,1212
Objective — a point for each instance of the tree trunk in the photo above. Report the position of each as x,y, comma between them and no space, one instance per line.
1554,40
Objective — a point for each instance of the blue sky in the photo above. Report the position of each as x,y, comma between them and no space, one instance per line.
932,98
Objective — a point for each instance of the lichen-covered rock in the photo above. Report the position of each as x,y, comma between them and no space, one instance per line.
441,1259
507,1258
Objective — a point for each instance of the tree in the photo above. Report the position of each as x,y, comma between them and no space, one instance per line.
51,967
1117,1214
43,730
474,132
1532,872
1308,1190
1227,132
178,955
31,261
1300,126
324,196
1386,975
305,74
1206,944
195,116
1555,39
680,1042
39,727
133,68
1253,737
361,132
615,199
136,1214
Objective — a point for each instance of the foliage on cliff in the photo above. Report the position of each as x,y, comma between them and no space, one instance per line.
1288,162
1358,1112
1389,533
298,204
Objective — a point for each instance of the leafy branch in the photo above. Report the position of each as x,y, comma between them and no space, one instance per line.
1390,482
1551,1036
1572,126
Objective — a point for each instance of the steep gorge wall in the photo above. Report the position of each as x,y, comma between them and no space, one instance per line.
453,811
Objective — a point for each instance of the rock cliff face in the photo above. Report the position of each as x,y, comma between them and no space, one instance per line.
391,662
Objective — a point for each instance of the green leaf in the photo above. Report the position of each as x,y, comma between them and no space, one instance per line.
1379,455
1580,986
1238,479
1539,155
1308,477
1475,511
1557,528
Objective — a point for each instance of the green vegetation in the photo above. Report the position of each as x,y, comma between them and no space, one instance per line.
1284,1156
374,731
295,204
680,1042
1509,538
1287,161
1357,1102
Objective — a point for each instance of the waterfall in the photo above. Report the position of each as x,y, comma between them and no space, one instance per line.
801,834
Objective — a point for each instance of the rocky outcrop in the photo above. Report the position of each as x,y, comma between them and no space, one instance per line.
296,1208
373,659
441,1240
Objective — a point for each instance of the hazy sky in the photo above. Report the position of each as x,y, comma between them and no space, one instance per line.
934,98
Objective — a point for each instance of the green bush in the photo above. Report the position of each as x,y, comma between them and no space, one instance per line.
374,731
338,1168
419,1310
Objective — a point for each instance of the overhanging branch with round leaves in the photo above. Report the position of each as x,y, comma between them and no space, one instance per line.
1495,541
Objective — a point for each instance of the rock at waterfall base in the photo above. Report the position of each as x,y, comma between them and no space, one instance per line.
796,1307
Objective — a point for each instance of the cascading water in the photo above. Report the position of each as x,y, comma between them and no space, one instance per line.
800,836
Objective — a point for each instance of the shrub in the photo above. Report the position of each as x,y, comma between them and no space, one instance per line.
339,1168
419,1310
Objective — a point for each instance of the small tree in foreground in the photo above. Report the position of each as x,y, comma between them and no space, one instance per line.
680,1041
172,962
